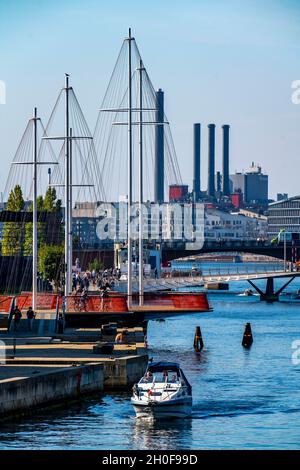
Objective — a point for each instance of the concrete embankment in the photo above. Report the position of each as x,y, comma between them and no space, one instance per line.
18,395
40,388
124,372
42,371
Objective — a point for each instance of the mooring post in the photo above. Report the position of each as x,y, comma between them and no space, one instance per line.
198,341
247,338
15,346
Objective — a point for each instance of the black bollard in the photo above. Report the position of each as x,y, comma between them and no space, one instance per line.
247,338
198,341
15,346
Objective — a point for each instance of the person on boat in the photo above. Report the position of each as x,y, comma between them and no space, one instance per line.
30,317
17,317
165,375
149,376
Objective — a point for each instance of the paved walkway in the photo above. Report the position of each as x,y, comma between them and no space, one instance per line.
43,325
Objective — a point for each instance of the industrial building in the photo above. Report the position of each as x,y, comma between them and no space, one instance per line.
252,184
217,184
224,198
178,192
242,189
284,214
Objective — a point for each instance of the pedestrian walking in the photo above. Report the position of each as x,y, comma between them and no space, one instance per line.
17,317
60,324
30,317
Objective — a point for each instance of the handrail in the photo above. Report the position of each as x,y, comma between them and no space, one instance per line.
10,314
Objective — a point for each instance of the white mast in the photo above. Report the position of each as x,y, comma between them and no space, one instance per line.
129,202
34,215
141,256
68,185
67,190
35,163
70,210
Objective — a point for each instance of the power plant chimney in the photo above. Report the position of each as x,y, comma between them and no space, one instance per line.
211,161
159,148
196,179
218,181
225,188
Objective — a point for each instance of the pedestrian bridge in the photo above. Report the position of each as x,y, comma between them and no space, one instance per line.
153,285
219,275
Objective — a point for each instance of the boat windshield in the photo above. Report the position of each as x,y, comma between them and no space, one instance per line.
160,377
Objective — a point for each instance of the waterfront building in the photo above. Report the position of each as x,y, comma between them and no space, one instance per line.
229,226
284,214
160,224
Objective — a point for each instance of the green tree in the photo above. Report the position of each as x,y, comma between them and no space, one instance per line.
15,200
13,232
29,229
50,262
54,234
97,265
28,239
49,203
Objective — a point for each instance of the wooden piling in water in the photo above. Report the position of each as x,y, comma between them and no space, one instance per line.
198,341
247,338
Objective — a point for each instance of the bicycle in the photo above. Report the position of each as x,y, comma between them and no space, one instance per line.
80,304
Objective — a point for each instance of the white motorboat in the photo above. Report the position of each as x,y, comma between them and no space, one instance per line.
163,392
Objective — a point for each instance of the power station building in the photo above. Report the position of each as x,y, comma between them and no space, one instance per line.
252,184
216,183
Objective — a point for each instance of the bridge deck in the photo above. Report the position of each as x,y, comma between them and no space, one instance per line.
152,285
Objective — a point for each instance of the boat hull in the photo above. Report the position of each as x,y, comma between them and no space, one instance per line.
179,408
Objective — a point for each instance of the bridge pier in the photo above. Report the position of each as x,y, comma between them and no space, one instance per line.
270,295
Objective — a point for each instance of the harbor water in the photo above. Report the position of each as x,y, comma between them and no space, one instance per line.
242,399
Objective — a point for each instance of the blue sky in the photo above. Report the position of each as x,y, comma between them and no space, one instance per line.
218,61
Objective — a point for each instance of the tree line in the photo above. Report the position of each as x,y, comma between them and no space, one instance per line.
17,237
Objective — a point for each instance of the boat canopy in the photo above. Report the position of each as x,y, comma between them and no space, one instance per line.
162,366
